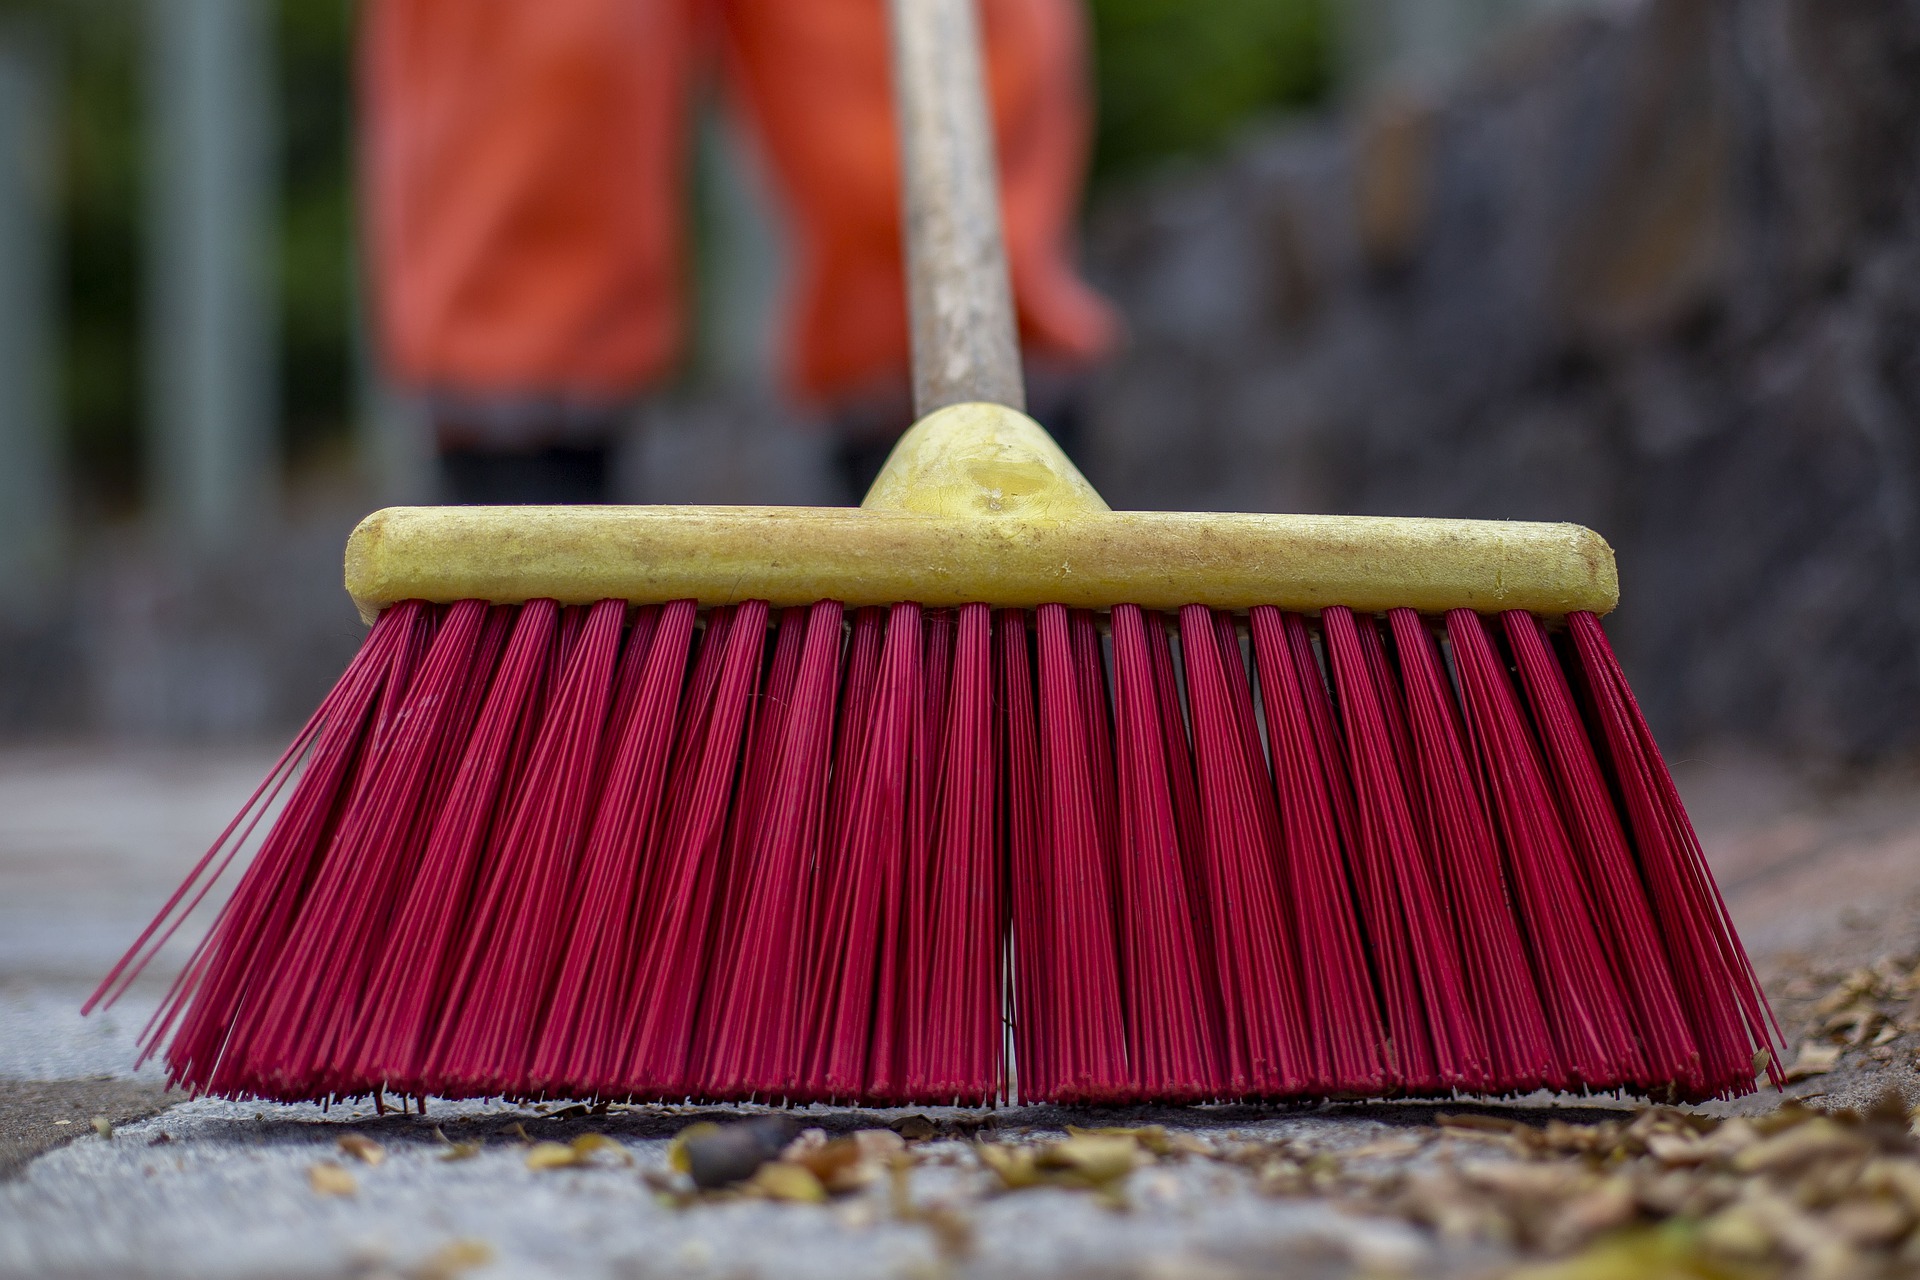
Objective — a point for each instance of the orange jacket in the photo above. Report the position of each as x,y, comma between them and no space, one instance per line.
525,165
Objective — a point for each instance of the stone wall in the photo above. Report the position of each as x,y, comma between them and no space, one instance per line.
1655,269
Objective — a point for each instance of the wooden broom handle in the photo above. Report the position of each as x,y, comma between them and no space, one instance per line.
966,346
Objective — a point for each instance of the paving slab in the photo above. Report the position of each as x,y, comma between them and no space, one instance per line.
91,839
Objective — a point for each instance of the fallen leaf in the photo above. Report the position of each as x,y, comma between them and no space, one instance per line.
1869,1222
1665,1253
1385,1148
365,1150
1799,1145
677,1158
552,1155
102,1126
460,1151
1813,1060
1098,1158
1739,1231
914,1128
1554,1181
1609,1205
576,1154
779,1180
453,1258
588,1145
329,1179
952,1231
1673,1149
879,1144
840,1165
1013,1165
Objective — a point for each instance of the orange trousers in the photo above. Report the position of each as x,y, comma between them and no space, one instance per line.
525,167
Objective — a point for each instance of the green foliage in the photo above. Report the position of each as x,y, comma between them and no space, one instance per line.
91,50
314,42
95,54
1177,76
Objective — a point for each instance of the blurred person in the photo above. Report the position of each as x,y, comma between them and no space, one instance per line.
525,166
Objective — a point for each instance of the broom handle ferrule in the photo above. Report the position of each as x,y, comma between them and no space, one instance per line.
960,299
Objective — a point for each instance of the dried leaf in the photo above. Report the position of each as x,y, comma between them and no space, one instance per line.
454,1258
1098,1158
102,1126
1671,1252
1528,1181
1609,1205
1869,1222
365,1150
952,1232
1901,1177
460,1151
677,1159
1813,1060
914,1128
841,1165
1385,1149
1673,1149
1739,1231
329,1179
552,1155
1013,1165
589,1144
1153,1138
1799,1145
1761,1061
779,1180
879,1144
576,1154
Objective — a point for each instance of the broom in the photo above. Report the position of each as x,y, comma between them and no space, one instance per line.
798,805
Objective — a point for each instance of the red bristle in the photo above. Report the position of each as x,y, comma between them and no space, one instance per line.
409,991
860,670
223,974
1188,827
1343,1017
1171,1049
958,1056
751,1042
856,697
1467,861
854,1006
1436,1043
500,989
1081,1040
1017,743
1089,666
907,959
676,907
940,626
1265,1050
765,721
1715,981
304,1044
1613,881
580,1051
1593,1037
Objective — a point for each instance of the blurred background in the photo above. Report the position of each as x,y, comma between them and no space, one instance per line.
1650,265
